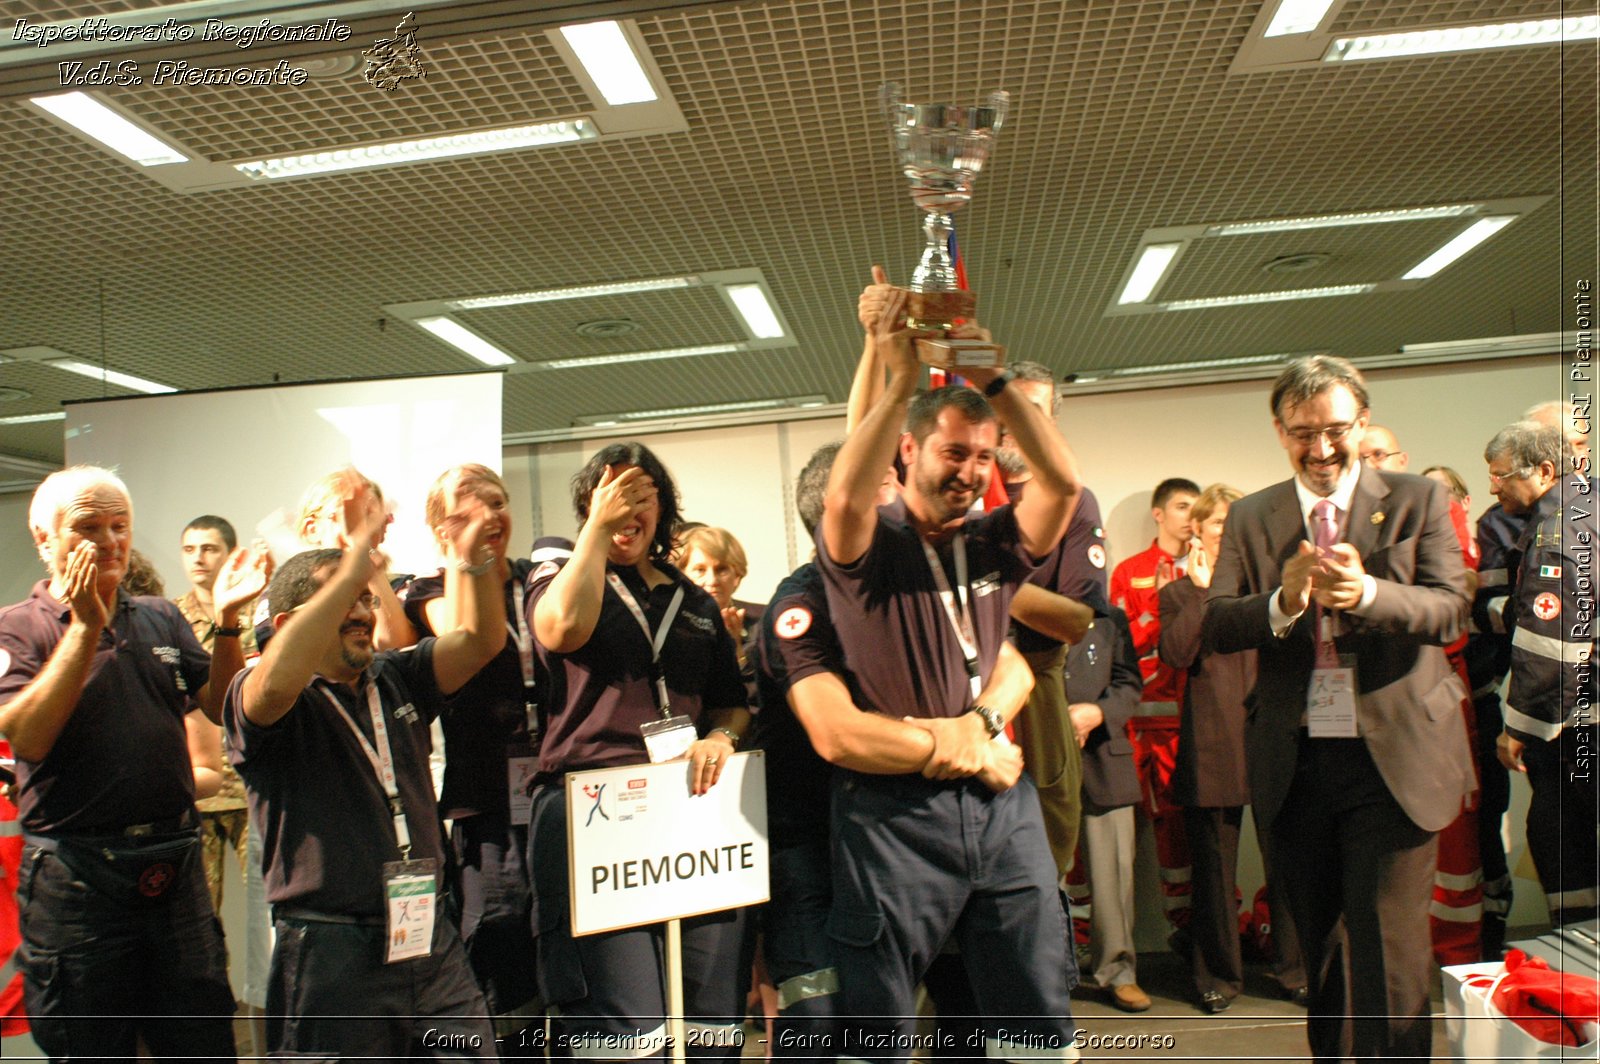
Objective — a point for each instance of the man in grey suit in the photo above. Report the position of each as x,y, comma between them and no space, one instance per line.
1349,582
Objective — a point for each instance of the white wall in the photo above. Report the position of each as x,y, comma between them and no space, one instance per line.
22,568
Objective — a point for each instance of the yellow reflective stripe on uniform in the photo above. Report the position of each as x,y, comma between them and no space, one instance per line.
1465,914
808,985
1519,721
1546,646
1452,881
1587,898
10,828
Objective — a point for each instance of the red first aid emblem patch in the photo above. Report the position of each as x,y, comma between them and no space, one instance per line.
155,880
793,623
1097,556
1547,607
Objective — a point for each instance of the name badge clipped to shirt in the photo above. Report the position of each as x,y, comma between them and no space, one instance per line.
669,739
408,887
521,764
1331,701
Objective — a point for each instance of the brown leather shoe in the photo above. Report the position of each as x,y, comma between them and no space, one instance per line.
1129,998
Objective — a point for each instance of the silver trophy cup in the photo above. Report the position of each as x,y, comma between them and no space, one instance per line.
940,149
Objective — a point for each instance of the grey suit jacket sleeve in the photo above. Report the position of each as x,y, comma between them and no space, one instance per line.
1433,605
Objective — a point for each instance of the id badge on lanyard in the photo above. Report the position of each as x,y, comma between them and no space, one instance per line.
1331,699
412,904
960,618
670,737
409,887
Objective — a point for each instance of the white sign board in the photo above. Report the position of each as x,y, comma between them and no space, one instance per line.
641,848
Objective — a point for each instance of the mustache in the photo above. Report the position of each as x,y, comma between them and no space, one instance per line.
355,626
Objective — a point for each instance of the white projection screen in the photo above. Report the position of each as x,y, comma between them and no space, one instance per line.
249,454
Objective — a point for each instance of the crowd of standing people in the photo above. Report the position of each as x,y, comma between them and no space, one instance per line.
962,706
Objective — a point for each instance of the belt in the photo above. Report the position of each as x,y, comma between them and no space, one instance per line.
313,916
171,826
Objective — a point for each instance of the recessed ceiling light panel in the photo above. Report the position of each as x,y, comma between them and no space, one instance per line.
109,376
1297,16
466,341
1459,245
1330,221
1463,39
397,153
610,61
1154,261
1267,297
99,122
577,291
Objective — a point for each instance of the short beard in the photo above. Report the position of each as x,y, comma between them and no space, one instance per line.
356,659
1010,461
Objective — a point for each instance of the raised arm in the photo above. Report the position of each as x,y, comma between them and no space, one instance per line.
33,720
291,658
472,583
867,385
566,614
850,513
241,580
1046,508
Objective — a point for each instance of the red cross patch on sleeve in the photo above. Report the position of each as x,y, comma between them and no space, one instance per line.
792,623
1546,607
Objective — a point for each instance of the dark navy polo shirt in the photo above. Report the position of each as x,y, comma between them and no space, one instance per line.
486,716
796,640
898,641
324,819
602,693
123,756
1075,569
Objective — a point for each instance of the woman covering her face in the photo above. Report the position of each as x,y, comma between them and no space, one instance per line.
642,668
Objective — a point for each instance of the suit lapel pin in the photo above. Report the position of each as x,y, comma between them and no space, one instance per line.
1377,518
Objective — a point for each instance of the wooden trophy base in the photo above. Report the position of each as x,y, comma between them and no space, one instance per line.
941,311
955,354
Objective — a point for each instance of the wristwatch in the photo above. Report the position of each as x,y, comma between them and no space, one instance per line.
998,385
993,722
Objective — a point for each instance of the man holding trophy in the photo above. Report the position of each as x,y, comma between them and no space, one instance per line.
919,592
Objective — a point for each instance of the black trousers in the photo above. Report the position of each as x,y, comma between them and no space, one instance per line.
1561,820
1359,875
100,971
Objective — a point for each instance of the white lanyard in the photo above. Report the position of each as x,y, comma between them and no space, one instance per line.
960,621
662,701
381,759
524,641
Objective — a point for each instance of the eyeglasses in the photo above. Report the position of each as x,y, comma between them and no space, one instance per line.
1377,456
367,600
1332,433
1515,474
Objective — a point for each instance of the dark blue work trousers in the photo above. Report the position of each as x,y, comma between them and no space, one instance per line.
917,862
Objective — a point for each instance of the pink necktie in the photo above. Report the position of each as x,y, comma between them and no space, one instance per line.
1325,529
